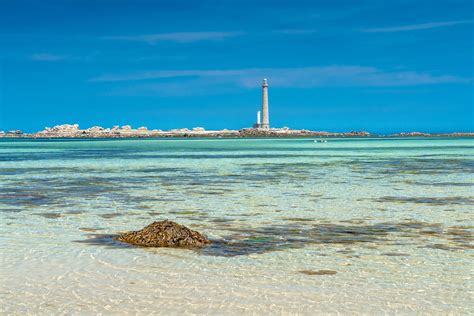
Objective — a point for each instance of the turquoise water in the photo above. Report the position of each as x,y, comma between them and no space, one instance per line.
391,219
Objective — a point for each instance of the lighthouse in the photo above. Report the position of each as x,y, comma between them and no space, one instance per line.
265,119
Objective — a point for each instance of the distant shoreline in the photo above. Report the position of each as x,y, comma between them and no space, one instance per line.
68,131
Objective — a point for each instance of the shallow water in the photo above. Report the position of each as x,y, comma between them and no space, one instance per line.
349,226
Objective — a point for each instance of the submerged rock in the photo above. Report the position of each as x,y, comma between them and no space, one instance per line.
165,234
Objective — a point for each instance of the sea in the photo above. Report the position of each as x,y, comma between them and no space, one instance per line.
348,226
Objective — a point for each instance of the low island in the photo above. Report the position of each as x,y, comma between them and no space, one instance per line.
74,131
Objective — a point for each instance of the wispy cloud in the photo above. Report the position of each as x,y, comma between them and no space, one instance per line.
414,27
177,82
296,31
178,37
146,75
47,57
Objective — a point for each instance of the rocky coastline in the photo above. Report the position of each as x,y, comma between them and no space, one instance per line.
74,131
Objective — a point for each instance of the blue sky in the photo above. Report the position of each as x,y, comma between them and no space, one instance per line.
380,66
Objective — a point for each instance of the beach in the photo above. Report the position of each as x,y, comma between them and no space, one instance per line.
351,226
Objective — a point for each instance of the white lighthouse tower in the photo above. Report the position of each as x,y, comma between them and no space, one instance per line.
265,117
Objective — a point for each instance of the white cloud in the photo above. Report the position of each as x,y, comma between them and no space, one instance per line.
414,27
337,75
296,31
178,37
47,57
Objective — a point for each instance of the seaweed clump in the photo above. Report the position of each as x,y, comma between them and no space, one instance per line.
165,234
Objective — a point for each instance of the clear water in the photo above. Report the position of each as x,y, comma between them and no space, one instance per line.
391,219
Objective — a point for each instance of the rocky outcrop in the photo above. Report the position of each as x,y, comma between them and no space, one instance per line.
126,131
357,134
13,134
286,132
64,128
411,134
165,234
